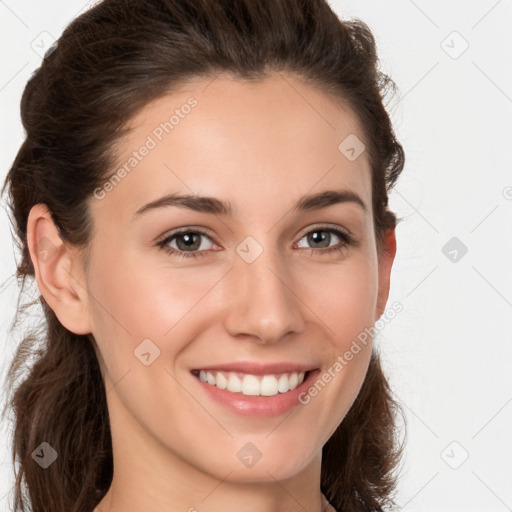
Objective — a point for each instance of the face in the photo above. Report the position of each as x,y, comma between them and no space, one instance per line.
265,278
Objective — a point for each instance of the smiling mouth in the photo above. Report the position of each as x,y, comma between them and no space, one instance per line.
252,385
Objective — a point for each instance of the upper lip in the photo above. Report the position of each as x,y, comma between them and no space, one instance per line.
254,368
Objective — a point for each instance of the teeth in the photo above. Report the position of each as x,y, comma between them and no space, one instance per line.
221,381
234,384
253,385
269,386
283,385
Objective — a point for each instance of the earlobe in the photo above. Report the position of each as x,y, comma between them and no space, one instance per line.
386,259
54,266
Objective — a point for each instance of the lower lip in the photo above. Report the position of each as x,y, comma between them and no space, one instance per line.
261,406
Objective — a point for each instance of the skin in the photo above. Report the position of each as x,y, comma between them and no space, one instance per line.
261,146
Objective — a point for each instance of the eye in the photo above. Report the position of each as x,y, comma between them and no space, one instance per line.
189,243
322,237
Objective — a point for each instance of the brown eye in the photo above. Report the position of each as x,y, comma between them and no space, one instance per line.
320,239
188,243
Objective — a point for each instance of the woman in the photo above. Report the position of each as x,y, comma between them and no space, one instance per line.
183,158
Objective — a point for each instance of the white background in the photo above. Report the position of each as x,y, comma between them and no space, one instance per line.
448,352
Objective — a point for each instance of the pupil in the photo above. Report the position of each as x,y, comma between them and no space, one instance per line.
189,241
324,236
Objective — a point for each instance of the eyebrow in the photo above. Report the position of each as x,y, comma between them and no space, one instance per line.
215,206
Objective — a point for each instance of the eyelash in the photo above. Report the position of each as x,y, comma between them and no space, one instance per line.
346,237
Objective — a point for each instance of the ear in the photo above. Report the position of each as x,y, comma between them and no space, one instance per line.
386,258
58,271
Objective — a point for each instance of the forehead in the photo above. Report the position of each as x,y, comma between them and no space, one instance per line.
253,143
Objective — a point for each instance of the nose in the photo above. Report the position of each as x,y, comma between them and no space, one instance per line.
263,303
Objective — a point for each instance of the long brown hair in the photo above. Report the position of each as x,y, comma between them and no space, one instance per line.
109,63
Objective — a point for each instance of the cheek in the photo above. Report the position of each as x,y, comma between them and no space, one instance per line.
343,298
133,301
